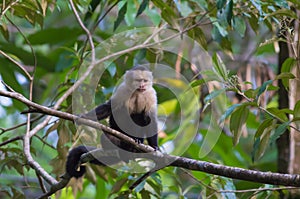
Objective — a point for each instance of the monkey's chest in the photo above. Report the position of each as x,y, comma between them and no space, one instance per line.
138,103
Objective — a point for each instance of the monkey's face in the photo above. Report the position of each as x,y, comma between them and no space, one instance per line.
139,80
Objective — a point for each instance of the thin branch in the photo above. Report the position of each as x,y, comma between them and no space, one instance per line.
11,140
89,35
3,130
16,63
7,86
33,164
104,15
256,190
44,142
30,46
142,178
41,183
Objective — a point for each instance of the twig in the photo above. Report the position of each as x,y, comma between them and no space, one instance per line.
104,15
11,140
89,35
3,130
16,63
41,183
142,178
7,87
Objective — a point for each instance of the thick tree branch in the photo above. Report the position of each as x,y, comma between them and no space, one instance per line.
230,172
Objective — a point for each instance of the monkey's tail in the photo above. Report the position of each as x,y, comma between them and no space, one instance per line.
73,160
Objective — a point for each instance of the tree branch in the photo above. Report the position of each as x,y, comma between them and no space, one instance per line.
191,164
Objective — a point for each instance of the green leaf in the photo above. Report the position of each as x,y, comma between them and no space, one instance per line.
219,67
213,94
263,88
168,12
253,21
91,8
55,35
297,109
154,16
239,25
297,113
285,75
264,140
198,82
130,12
121,16
279,131
228,112
221,30
287,66
4,31
237,120
142,7
198,35
265,124
228,12
280,114
263,133
220,4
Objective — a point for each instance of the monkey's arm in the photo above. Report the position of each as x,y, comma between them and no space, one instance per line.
100,112
73,160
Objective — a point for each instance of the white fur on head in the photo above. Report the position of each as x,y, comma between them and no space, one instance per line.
134,76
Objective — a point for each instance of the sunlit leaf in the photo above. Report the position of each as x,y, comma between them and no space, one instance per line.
130,12
154,16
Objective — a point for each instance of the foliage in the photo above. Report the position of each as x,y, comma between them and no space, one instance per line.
45,38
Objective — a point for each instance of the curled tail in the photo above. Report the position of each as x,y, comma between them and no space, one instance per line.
73,160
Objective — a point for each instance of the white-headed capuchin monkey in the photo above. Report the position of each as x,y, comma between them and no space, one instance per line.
132,110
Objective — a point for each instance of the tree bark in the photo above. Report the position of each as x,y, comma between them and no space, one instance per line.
289,143
283,100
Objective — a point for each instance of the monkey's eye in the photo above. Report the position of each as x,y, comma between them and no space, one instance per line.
141,80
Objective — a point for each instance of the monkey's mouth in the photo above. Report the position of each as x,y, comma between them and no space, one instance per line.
141,90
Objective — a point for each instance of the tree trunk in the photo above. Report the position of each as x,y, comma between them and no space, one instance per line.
289,143
294,96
